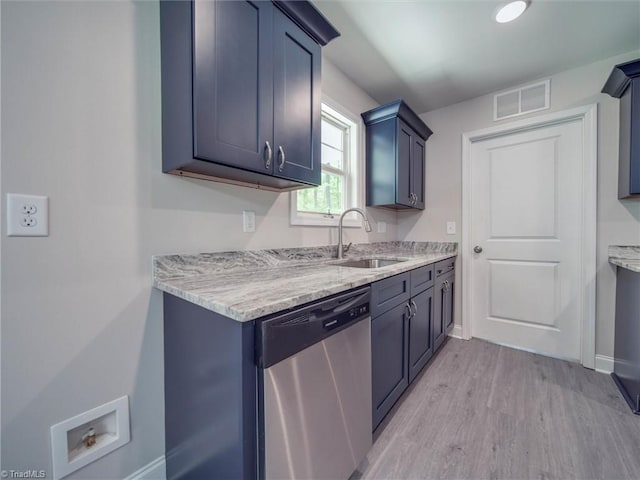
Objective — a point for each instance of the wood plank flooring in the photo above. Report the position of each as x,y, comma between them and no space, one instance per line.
482,411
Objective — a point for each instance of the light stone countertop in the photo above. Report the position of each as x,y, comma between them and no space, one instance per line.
625,256
246,285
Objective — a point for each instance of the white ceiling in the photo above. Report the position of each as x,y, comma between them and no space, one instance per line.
434,53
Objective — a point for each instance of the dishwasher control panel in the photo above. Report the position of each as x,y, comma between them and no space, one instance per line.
284,335
345,317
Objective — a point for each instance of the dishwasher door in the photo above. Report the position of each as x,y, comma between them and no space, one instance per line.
317,408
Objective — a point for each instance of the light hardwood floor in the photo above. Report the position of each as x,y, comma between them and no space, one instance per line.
482,411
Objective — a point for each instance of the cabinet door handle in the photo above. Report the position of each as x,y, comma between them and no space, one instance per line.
415,308
408,307
269,153
281,154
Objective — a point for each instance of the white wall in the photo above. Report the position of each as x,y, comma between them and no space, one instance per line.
81,324
618,221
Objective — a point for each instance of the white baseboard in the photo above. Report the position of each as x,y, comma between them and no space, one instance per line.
156,470
456,332
604,364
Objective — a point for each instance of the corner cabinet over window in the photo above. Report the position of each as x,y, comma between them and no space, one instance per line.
395,156
241,91
624,83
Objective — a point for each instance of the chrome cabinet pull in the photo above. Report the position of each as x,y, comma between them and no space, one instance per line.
281,153
415,308
269,152
408,307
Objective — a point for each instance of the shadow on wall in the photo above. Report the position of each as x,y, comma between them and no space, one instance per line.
633,207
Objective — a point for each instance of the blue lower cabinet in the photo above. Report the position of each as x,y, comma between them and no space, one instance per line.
389,359
210,377
402,340
626,370
443,309
420,332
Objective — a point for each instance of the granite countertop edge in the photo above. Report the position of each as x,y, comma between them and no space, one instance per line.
625,256
247,290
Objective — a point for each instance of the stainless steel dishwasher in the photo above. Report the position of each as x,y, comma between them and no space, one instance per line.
315,389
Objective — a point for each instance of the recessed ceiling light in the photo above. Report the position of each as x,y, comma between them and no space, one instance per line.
511,11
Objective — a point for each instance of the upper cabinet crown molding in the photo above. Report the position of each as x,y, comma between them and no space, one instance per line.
398,108
241,99
621,77
624,83
310,19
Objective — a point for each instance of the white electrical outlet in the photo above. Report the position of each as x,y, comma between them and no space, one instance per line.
248,221
27,215
382,227
451,228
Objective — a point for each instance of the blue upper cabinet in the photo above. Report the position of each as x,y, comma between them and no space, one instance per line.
296,107
241,91
395,146
233,83
624,83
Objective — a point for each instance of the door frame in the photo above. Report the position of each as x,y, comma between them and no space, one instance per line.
588,116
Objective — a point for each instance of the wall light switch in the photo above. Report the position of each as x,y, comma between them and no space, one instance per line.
382,227
248,221
451,228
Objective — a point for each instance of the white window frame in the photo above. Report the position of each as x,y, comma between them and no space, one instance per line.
354,173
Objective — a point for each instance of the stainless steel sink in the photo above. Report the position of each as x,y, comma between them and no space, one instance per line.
369,262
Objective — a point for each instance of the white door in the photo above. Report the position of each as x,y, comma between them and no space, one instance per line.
526,217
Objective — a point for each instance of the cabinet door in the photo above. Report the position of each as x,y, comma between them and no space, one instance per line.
417,171
449,302
420,332
405,136
233,83
296,102
389,359
439,312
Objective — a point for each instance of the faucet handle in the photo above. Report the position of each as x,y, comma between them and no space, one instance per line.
346,249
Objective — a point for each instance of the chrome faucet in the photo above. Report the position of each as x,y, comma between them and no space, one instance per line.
367,228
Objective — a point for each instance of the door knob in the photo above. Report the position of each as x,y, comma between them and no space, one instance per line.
477,249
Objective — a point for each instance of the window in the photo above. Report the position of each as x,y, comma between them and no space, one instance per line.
324,204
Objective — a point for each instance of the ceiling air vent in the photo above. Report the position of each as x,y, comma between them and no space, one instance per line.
527,99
